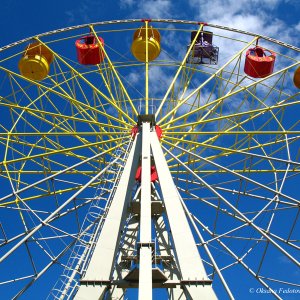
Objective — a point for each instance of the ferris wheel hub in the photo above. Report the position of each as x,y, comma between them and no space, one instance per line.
149,119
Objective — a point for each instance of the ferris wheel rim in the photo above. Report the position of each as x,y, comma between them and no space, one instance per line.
124,21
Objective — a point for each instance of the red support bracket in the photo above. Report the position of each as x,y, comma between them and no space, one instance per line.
135,130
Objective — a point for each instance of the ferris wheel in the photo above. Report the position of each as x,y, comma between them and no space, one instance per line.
149,159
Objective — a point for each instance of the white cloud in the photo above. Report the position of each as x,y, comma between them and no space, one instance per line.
85,11
159,80
127,3
214,9
255,16
152,8
81,10
133,78
70,16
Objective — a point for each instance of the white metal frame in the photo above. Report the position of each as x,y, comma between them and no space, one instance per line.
104,275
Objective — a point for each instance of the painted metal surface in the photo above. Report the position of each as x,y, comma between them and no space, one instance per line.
103,258
259,62
105,268
185,247
145,251
146,43
88,50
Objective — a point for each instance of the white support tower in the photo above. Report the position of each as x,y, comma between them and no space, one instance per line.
146,241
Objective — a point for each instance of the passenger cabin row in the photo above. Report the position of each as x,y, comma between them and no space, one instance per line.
37,58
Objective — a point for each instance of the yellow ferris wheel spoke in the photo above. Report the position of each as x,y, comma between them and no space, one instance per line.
56,125
47,194
239,124
7,174
54,162
34,161
32,147
250,112
38,113
198,94
227,151
87,81
79,133
183,63
235,125
52,90
63,171
85,107
65,150
33,102
80,110
227,80
109,89
184,100
43,172
234,149
239,171
115,72
248,132
222,98
45,138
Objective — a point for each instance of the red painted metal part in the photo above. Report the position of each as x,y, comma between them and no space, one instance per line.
138,174
297,78
158,131
89,51
259,62
135,130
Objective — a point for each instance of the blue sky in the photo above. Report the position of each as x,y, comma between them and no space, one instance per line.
275,18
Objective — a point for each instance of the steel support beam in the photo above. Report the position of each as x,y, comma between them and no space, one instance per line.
104,255
55,174
104,277
185,247
241,215
145,251
165,250
127,249
51,217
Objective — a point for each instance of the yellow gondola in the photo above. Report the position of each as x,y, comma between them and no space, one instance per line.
35,63
138,47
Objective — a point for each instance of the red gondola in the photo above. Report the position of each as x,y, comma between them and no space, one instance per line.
259,62
89,51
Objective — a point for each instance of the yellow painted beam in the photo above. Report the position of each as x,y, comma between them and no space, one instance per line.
6,162
115,72
183,63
